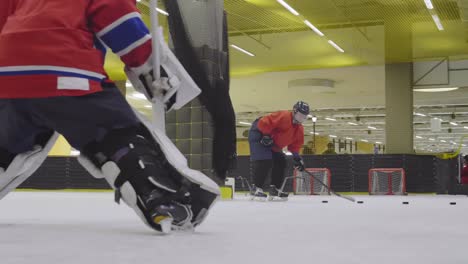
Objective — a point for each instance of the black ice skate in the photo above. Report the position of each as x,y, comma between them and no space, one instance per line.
258,194
168,214
277,195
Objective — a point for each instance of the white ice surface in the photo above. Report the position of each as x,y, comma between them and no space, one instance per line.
68,228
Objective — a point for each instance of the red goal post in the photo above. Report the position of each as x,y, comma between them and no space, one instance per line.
303,183
387,181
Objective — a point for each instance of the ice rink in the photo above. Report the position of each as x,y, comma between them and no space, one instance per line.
66,228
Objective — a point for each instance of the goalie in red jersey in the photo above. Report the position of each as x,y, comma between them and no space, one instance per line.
53,81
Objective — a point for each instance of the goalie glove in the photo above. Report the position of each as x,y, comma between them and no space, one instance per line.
266,141
174,88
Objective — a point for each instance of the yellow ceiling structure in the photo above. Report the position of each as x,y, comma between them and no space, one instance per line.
371,32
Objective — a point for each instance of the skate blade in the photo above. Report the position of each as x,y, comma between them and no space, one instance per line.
258,199
277,199
165,222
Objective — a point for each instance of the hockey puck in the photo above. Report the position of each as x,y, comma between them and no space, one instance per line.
325,201
453,203
405,202
360,202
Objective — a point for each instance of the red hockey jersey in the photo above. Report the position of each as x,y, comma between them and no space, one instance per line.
280,127
57,47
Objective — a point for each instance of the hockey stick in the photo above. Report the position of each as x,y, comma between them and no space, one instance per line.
159,108
349,198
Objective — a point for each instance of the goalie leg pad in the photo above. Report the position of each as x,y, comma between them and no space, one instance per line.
24,165
140,177
204,191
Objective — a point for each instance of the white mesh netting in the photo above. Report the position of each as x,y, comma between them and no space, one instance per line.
304,183
387,181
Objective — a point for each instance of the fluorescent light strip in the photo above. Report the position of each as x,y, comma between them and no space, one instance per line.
335,46
419,114
351,123
316,30
315,133
330,119
245,123
419,137
443,141
242,50
288,7
429,4
371,127
349,138
431,139
162,11
436,19
436,90
332,136
378,142
148,106
363,140
453,123
465,127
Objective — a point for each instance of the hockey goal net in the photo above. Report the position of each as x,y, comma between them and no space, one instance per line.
389,181
305,183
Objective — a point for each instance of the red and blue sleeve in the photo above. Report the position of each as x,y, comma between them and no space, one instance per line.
119,26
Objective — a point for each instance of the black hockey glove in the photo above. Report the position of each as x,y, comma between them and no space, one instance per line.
298,164
266,141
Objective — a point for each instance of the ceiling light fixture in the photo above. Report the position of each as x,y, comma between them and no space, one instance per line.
443,141
351,123
349,138
466,127
330,119
436,19
453,123
288,7
332,136
335,46
363,140
419,114
378,142
419,137
371,127
435,90
431,139
314,133
429,4
316,30
243,50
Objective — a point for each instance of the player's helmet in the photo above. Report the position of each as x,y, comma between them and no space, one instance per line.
300,111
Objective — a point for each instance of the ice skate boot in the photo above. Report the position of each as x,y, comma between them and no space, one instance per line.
257,194
277,195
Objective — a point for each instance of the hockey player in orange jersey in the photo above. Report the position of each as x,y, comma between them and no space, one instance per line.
267,138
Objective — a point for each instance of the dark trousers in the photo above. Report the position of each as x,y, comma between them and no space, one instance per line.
261,168
80,119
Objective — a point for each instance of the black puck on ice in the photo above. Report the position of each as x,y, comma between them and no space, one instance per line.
324,201
360,202
453,203
405,202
